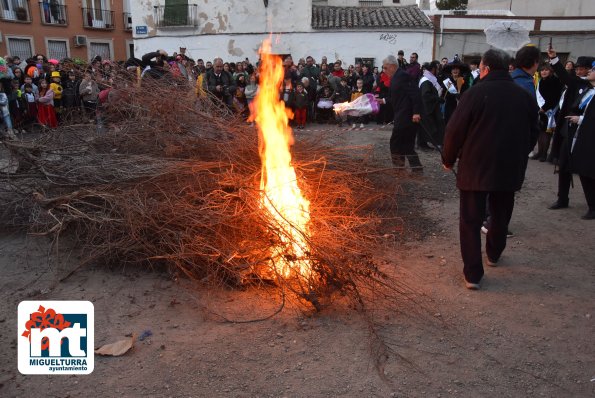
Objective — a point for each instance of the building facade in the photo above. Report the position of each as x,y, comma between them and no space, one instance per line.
540,8
234,29
66,28
463,33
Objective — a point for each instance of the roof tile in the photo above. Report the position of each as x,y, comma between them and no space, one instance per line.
327,17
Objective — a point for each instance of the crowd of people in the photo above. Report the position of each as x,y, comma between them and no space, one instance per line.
44,93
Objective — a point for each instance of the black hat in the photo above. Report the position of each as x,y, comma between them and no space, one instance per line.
401,52
456,64
584,61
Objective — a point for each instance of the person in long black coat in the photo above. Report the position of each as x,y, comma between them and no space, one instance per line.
432,121
582,159
491,132
406,103
564,131
548,92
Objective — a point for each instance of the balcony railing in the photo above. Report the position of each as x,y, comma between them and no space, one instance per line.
127,21
176,15
96,18
53,14
15,11
370,3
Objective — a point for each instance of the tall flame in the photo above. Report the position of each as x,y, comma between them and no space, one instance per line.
281,196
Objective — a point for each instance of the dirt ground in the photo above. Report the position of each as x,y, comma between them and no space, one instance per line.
529,332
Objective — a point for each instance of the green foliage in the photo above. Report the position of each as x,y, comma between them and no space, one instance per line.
451,4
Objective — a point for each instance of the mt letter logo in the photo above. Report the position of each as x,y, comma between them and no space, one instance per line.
56,337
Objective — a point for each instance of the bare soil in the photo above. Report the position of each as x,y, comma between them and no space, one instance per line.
529,332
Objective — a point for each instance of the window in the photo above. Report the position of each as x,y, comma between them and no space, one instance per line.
20,47
96,14
15,10
52,12
103,49
176,12
57,48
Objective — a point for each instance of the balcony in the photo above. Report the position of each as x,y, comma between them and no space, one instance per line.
96,18
15,11
171,16
53,14
370,3
127,20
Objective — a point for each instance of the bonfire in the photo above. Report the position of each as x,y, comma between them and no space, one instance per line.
188,191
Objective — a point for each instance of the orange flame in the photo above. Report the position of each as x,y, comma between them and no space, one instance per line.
281,196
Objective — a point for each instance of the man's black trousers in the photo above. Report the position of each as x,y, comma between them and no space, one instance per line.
402,143
472,214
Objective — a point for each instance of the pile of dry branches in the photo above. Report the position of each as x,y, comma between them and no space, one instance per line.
171,179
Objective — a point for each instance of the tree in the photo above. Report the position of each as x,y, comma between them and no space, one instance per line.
451,4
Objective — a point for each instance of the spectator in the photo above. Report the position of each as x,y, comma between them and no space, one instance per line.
337,71
16,107
401,60
356,93
251,91
220,83
89,92
153,62
70,97
311,71
46,115
31,103
569,66
5,114
300,104
414,68
324,105
367,79
18,74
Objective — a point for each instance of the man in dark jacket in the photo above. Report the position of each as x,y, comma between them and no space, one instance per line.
221,83
492,139
414,68
311,71
526,62
406,104
156,63
576,85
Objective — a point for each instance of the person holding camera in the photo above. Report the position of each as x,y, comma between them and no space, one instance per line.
220,83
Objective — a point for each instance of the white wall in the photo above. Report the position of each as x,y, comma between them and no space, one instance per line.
544,8
231,16
335,45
